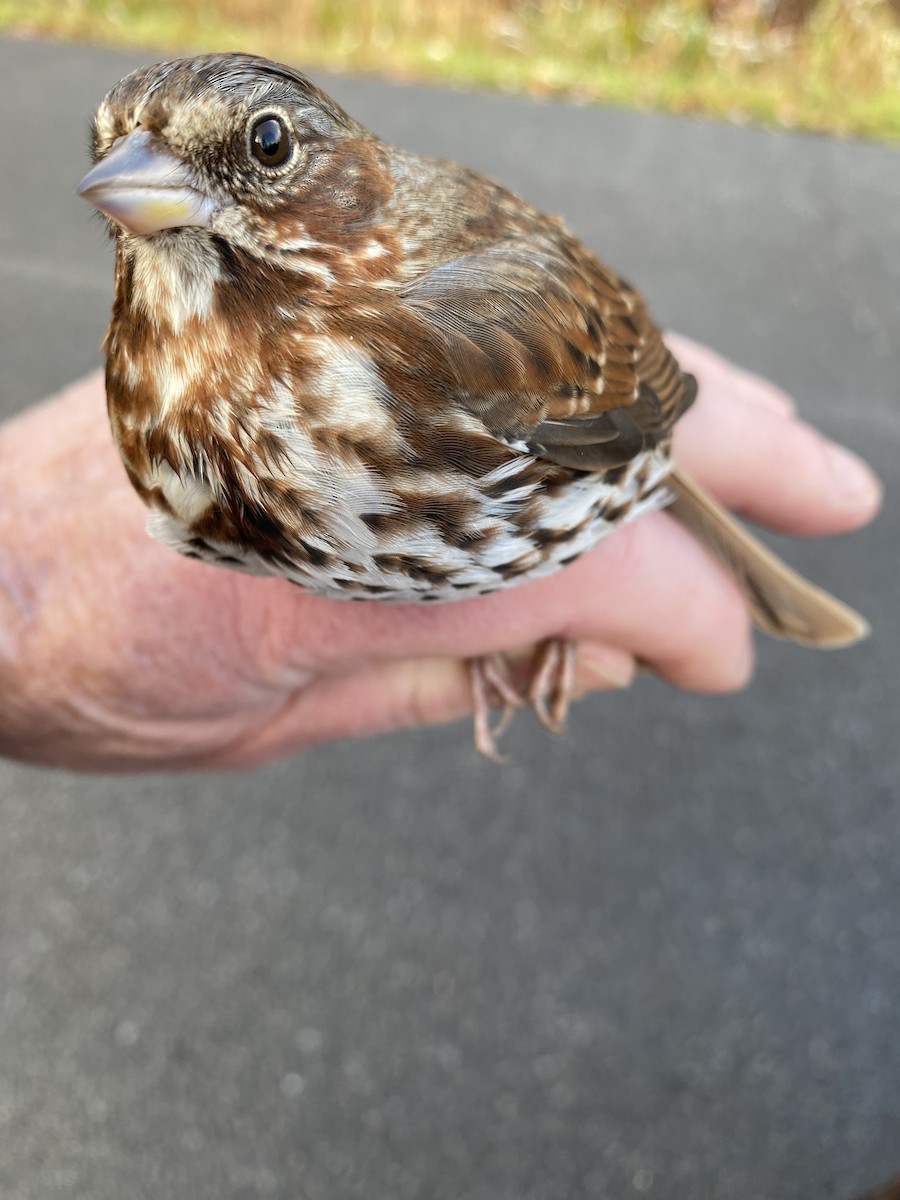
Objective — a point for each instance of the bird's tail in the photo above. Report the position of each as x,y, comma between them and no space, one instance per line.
781,602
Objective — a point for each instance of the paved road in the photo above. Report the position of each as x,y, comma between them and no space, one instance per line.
661,957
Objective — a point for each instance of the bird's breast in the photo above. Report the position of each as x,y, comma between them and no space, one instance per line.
302,464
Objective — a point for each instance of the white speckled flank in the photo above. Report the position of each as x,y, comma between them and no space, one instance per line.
472,570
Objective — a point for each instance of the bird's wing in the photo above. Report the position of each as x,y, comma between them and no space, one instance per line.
551,350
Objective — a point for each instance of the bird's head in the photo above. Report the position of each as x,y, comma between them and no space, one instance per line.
246,149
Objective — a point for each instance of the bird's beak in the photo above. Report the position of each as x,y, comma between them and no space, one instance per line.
145,188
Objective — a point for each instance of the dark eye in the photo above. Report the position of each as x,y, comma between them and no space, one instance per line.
270,141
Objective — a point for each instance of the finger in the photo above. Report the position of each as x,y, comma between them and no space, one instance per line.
775,469
392,695
716,375
373,698
602,667
673,607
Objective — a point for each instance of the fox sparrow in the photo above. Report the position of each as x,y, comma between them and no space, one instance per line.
379,375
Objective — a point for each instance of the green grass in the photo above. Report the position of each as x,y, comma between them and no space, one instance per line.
837,71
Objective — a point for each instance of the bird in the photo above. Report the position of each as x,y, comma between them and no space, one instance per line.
379,375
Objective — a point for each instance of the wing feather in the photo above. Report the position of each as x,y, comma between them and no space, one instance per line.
549,348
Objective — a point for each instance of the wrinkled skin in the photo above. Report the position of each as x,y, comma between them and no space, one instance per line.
117,654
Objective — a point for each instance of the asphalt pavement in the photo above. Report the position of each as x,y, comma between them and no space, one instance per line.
658,957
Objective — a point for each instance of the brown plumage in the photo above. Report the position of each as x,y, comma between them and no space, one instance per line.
380,375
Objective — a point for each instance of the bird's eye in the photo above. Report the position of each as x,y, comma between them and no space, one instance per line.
270,141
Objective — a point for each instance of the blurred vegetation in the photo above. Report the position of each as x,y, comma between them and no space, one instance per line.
819,64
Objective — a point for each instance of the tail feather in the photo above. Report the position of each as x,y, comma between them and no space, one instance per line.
781,602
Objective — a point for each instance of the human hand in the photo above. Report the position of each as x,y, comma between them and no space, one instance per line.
117,654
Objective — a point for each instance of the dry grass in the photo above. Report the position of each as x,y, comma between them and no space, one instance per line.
820,64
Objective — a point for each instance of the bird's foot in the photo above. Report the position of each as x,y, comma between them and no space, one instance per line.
547,688
550,686
492,684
